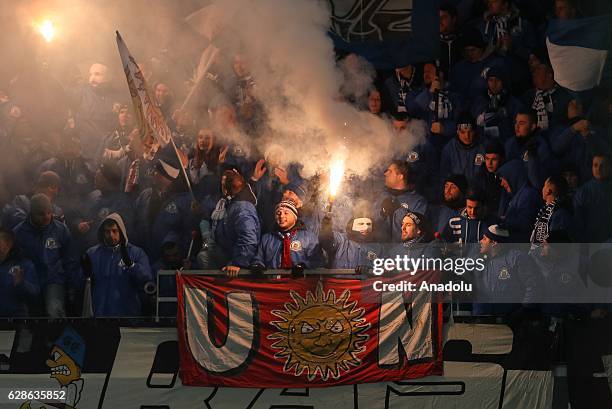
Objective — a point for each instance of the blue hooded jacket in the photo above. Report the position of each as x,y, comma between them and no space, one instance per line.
238,232
174,216
424,159
560,99
592,214
468,78
98,206
17,211
14,299
511,277
519,208
576,151
461,160
346,252
503,118
304,247
425,101
51,250
117,287
408,200
461,228
540,163
392,88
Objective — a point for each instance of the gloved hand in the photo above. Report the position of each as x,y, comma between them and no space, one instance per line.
86,265
389,206
297,271
258,269
125,256
362,269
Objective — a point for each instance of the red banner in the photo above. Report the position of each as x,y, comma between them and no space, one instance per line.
306,333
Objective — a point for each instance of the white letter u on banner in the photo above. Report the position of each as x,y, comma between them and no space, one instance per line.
240,335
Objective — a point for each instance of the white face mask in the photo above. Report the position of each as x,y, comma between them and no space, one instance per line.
362,225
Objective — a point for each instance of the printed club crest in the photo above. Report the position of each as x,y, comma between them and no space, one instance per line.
295,245
504,274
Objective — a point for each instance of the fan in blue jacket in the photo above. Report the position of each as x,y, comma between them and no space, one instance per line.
118,270
455,188
439,107
402,91
355,249
510,277
18,280
463,155
555,214
417,237
471,223
577,142
163,209
520,201
17,211
533,148
48,243
291,246
506,31
495,109
399,193
592,204
235,225
468,76
106,199
486,180
269,179
547,98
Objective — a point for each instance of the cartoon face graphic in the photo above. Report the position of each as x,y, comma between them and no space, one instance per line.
320,334
63,368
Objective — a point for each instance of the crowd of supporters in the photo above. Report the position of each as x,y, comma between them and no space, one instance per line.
510,157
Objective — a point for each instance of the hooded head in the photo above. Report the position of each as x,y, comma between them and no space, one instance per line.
112,231
455,187
473,45
515,175
497,80
361,226
494,155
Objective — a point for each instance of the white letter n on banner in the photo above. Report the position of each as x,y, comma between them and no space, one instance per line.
404,328
240,334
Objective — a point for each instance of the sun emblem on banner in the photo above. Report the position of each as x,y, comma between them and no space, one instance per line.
320,334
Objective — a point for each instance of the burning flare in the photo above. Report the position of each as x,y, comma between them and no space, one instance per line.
336,172
47,30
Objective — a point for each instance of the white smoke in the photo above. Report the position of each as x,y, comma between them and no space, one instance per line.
300,85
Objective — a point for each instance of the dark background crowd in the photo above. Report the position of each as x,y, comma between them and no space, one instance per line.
91,202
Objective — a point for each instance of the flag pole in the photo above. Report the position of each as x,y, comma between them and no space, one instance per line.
206,59
149,115
183,170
